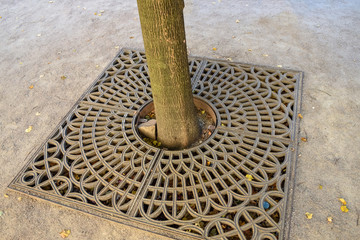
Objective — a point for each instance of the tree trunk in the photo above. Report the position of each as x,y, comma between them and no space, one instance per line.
163,30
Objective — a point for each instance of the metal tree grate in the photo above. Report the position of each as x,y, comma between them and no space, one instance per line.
235,185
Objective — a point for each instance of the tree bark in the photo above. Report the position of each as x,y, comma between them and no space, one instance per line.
162,24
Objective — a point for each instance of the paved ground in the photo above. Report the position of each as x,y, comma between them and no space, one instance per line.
40,41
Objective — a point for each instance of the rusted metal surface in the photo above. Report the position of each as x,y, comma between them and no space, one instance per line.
234,185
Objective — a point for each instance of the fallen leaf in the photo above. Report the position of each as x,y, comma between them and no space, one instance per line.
116,47
250,50
309,215
131,37
20,63
1,213
39,35
37,113
97,66
229,59
203,112
29,129
214,49
65,233
249,177
102,11
31,86
0,17
237,21
344,208
41,76
300,116
51,1
5,195
303,139
208,163
279,66
95,13
99,14
223,125
320,187
63,77
342,201
329,219
265,55
19,198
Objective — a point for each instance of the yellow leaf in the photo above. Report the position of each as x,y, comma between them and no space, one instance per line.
329,219
63,77
5,195
95,13
342,201
29,129
249,177
250,50
303,139
65,233
300,116
31,86
203,112
320,187
344,208
19,198
99,14
214,49
309,215
279,66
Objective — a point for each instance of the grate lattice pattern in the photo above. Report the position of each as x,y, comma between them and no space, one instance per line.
232,186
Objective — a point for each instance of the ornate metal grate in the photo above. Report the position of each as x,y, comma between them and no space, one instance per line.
235,185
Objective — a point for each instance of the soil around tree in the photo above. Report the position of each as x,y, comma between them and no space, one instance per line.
205,116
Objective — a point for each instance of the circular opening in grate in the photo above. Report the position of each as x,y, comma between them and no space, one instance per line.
208,116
